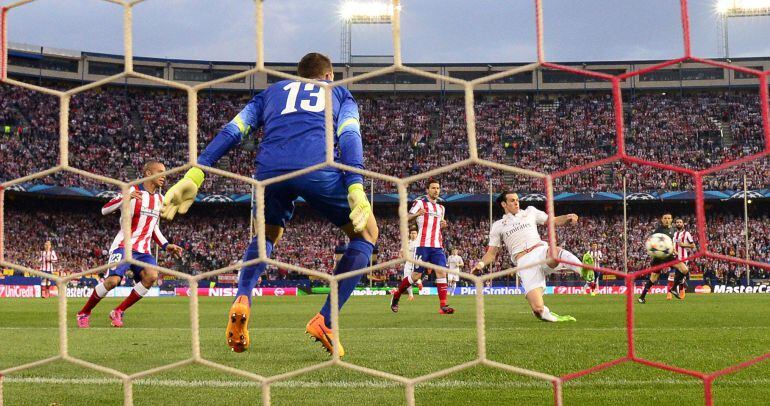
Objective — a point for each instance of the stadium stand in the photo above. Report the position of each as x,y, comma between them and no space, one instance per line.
409,134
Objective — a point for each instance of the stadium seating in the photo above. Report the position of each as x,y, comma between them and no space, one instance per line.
114,129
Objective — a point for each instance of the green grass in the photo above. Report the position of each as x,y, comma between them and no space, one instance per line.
704,333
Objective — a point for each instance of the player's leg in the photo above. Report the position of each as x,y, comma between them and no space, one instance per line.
438,257
408,280
680,273
279,208
452,283
144,278
595,286
44,282
114,276
326,192
651,279
670,285
408,271
532,274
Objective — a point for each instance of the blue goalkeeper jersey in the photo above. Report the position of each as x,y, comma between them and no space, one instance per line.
292,114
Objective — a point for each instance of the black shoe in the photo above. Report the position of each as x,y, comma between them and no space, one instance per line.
675,292
394,304
641,300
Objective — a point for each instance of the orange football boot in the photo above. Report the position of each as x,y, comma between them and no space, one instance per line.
317,330
237,333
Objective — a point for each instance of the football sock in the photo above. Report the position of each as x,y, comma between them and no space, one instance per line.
647,286
137,293
250,274
357,256
405,284
441,287
545,315
568,256
99,292
678,277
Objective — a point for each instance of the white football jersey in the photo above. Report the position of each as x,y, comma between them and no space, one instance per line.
455,262
518,231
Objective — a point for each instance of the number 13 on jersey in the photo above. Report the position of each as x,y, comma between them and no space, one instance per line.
312,99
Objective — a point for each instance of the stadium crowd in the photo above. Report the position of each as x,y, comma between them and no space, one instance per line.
214,237
113,129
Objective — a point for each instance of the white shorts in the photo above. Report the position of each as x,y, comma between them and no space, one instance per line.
452,277
408,269
533,277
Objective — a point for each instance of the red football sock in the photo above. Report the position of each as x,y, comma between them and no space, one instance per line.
91,303
402,287
130,300
441,286
592,285
670,285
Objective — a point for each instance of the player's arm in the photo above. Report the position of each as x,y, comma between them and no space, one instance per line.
161,240
348,134
114,204
488,258
571,218
416,211
181,196
688,242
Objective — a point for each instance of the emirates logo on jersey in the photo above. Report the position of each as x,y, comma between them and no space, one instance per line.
516,227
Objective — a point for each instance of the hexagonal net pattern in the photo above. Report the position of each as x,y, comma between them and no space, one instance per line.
402,183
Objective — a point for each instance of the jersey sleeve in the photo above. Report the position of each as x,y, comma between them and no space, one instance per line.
158,237
348,134
688,238
54,257
416,206
248,120
540,216
114,204
495,238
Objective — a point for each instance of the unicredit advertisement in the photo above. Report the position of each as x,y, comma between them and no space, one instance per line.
19,290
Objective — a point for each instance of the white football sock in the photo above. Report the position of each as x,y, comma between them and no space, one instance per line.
546,315
568,256
140,289
100,290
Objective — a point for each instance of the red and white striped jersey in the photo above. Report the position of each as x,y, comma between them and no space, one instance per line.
429,224
144,221
597,256
47,259
680,237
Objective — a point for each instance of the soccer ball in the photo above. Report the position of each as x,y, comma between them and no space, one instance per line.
659,246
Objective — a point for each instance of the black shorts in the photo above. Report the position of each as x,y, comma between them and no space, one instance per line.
662,261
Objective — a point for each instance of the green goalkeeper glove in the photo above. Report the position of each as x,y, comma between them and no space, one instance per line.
360,208
181,196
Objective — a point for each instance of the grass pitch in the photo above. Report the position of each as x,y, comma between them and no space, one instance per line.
704,332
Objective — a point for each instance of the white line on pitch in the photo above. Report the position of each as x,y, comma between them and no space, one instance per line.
444,384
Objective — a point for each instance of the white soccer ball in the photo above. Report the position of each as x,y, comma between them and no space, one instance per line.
659,246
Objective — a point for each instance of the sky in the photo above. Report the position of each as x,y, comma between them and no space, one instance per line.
433,31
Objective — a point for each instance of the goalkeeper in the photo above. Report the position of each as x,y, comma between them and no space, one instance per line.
292,114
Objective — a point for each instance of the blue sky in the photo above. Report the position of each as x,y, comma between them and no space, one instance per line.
433,30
